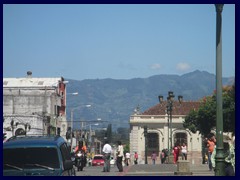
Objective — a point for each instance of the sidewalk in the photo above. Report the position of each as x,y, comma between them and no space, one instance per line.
164,170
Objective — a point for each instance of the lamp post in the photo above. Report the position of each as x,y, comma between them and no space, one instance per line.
146,144
90,133
219,122
169,107
72,110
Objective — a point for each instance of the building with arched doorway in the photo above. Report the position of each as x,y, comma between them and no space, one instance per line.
158,132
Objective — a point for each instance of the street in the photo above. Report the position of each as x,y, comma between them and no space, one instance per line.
97,171
145,170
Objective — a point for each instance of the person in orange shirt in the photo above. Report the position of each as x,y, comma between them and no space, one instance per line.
81,146
210,145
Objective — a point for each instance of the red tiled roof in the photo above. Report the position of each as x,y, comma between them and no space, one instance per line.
177,108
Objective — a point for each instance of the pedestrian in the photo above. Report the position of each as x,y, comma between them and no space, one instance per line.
163,158
176,151
230,159
166,152
107,150
119,156
135,158
184,151
204,151
210,144
127,158
229,152
154,157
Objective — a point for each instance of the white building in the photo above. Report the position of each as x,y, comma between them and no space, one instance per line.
158,130
34,106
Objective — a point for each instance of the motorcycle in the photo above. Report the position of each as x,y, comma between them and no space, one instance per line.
80,161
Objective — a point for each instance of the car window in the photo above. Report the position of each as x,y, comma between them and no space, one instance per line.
28,157
98,157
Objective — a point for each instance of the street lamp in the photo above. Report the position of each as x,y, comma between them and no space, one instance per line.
72,110
169,107
90,133
220,164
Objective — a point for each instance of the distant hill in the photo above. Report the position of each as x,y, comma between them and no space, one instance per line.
115,100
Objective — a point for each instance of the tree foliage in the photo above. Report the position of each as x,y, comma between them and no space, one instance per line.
204,119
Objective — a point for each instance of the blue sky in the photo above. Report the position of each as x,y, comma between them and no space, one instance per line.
87,41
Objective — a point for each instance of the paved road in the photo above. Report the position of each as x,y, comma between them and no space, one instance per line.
145,170
97,171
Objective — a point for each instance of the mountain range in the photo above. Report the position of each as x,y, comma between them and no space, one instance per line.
115,100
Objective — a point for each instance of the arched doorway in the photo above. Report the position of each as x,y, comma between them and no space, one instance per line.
153,143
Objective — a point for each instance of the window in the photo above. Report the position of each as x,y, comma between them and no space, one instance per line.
27,157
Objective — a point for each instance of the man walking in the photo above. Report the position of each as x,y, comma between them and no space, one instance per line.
119,156
107,150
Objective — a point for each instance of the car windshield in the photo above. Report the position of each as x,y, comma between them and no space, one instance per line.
98,157
20,158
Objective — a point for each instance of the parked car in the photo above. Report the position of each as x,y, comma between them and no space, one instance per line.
37,156
98,160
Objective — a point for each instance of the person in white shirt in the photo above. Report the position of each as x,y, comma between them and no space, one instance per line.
107,150
120,156
127,158
184,151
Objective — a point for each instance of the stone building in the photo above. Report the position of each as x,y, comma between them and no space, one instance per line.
158,122
34,106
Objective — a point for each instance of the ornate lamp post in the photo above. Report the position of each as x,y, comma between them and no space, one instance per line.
170,100
219,122
146,144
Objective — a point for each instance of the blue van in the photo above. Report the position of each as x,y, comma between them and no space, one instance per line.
37,156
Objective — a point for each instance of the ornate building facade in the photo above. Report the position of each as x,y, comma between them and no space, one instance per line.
159,133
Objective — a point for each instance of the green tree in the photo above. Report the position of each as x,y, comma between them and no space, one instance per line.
126,148
191,121
204,119
229,109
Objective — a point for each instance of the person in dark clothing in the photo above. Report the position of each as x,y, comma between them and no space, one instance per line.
163,156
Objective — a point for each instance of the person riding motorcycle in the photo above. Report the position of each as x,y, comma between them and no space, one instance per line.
81,146
81,149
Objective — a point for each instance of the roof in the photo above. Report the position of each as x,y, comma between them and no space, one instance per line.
31,82
33,141
178,109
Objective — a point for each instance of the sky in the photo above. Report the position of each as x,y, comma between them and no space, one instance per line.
124,41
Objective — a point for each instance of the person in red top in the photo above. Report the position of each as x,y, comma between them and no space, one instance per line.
136,158
176,151
210,145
